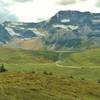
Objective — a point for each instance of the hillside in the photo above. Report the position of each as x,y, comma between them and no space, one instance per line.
59,63
28,86
85,58
34,75
20,56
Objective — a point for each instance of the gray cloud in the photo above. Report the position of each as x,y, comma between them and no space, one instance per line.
11,2
66,2
5,15
22,0
39,19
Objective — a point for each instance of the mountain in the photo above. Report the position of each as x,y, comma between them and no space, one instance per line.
66,30
4,35
73,29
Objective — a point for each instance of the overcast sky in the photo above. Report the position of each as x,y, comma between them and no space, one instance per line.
37,10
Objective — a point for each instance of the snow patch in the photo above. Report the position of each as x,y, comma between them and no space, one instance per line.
38,32
11,32
65,20
72,27
96,20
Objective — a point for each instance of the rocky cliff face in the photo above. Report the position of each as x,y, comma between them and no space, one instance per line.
73,29
4,35
65,30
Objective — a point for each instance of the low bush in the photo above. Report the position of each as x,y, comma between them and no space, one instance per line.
2,68
47,73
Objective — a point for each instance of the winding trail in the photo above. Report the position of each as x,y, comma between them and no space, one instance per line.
63,66
58,64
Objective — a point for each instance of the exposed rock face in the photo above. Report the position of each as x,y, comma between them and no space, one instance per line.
65,30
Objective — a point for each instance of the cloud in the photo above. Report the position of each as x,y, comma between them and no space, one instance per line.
22,0
11,2
98,3
5,15
83,0
66,2
39,19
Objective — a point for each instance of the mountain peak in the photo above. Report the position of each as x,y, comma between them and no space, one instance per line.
66,29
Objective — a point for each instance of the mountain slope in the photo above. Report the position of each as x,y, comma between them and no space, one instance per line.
73,29
66,30
4,35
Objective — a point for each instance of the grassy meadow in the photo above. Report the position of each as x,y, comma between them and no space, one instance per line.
49,75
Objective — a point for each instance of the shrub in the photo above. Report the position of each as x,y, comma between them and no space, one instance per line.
50,73
98,81
33,72
45,73
2,68
82,78
71,77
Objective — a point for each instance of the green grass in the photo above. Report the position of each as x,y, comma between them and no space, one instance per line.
18,56
16,60
19,83
85,58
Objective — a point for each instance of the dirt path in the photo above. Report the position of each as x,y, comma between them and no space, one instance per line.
64,66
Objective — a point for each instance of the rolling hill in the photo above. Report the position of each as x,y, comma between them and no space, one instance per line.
85,58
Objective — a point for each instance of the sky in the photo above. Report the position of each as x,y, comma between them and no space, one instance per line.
38,10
